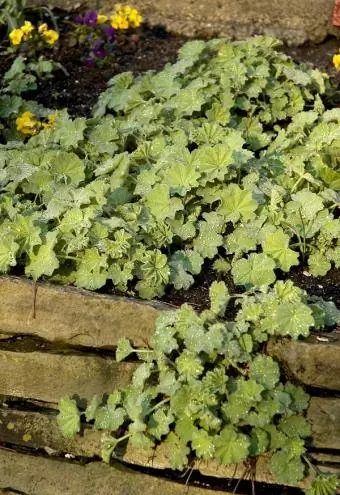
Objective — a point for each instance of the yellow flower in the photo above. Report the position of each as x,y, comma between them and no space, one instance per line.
119,22
126,10
27,124
50,36
16,36
101,18
43,28
125,17
336,61
27,29
135,18
51,121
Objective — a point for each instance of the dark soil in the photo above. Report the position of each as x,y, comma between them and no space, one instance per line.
79,90
326,287
155,47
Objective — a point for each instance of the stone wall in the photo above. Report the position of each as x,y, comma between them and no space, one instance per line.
57,341
294,21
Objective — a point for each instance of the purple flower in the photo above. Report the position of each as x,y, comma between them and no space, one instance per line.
89,61
109,33
79,19
100,53
90,18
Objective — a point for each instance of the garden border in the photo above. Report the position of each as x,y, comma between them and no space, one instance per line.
63,359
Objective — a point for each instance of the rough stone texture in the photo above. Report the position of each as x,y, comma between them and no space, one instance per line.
49,377
324,416
293,21
39,430
73,316
31,475
312,363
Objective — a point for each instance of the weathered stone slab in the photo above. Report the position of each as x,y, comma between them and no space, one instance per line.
312,363
32,475
39,430
324,416
293,21
43,431
48,377
73,316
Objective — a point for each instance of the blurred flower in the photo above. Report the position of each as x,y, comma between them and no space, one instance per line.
336,61
50,122
90,18
27,29
119,22
42,28
109,33
101,18
79,19
125,17
50,36
89,61
28,124
23,33
100,52
16,36
98,49
135,19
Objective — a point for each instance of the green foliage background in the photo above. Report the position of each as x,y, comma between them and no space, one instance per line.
226,155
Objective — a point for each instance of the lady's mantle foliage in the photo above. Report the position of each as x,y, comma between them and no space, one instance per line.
227,154
205,390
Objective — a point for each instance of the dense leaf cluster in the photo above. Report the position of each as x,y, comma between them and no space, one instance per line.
226,155
21,78
205,390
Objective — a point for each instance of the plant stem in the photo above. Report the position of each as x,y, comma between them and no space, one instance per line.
164,401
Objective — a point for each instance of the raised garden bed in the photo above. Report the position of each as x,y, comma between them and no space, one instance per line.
213,182
64,345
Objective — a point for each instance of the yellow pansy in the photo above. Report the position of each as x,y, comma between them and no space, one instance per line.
135,18
43,28
50,36
126,10
119,22
16,36
27,29
51,121
125,17
102,18
27,124
336,61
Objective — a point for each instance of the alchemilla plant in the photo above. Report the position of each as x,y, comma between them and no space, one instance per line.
206,390
227,155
